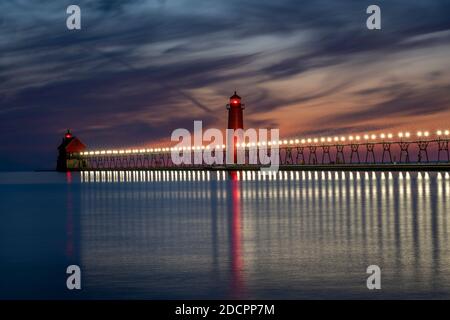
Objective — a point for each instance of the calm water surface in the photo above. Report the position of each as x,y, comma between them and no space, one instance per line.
186,235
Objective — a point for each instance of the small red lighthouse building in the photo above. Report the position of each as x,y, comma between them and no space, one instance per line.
235,112
68,150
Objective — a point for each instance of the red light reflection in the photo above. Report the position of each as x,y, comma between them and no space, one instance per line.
237,284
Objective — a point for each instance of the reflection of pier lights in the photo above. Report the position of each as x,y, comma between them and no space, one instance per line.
73,235
70,222
237,282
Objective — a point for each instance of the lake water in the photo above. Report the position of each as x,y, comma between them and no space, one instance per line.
202,235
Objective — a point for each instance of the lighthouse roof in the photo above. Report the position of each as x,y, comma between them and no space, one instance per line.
235,96
75,146
72,145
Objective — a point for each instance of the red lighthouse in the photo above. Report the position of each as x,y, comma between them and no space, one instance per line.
235,119
68,152
235,113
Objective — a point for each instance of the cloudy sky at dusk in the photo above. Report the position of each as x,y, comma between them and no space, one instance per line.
139,69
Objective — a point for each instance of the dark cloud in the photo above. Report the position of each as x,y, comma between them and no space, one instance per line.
399,101
138,69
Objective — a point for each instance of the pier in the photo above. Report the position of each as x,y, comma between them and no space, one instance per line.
375,151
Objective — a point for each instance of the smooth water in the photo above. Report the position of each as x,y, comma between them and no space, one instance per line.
202,235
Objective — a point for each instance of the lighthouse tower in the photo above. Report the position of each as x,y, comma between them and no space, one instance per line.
235,118
68,152
235,113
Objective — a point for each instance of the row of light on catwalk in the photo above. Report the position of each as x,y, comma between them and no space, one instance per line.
439,134
201,175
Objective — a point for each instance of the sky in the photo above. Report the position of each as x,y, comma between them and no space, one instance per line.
139,69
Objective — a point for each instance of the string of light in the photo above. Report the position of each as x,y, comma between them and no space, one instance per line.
286,142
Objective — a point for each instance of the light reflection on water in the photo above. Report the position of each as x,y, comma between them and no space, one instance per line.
255,235
200,234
